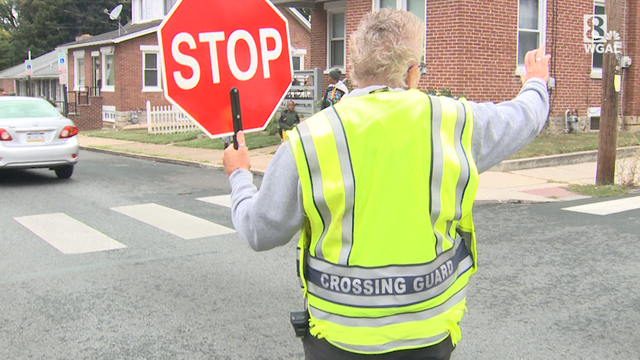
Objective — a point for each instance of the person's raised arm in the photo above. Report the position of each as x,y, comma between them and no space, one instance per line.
500,131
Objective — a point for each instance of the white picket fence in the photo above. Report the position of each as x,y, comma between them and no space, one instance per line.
168,120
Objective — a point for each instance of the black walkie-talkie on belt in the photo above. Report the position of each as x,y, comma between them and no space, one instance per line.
300,322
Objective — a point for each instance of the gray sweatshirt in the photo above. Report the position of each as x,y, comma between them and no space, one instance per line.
272,216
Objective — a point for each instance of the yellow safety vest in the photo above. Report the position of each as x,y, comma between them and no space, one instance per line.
388,184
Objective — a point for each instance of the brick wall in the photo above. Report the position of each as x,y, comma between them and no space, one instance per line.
472,49
631,95
88,117
318,56
7,85
299,35
128,95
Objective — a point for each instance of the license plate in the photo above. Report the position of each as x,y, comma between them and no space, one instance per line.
35,137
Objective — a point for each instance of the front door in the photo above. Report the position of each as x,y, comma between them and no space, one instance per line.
97,82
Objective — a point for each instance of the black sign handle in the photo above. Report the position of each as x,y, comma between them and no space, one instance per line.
235,113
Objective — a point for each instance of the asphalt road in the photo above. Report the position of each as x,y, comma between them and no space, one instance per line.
551,284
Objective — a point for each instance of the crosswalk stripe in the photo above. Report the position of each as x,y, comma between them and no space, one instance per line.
173,221
222,200
608,207
67,234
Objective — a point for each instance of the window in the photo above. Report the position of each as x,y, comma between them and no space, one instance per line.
596,62
337,30
593,114
416,7
150,68
531,27
297,57
78,70
108,70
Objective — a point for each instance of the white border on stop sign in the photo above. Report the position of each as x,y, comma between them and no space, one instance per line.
174,103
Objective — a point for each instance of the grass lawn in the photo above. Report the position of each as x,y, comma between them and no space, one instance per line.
141,135
541,146
255,140
569,143
599,190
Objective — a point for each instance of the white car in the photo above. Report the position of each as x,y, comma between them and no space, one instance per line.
33,134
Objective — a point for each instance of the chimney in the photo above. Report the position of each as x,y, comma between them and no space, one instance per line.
82,37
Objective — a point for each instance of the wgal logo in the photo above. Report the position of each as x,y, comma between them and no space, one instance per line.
596,37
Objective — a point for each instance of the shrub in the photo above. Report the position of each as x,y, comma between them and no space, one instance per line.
272,126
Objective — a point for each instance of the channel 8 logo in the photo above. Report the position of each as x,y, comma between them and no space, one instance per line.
595,28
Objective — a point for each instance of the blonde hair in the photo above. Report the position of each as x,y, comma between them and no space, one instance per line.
385,45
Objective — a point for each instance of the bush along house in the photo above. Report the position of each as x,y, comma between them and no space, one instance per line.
113,75
476,48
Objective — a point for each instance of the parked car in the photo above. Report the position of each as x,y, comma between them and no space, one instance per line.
33,134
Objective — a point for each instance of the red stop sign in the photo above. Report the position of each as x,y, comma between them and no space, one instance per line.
208,47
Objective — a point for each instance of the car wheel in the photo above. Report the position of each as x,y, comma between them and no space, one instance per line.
64,172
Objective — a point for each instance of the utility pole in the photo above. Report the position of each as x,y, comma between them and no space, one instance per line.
607,137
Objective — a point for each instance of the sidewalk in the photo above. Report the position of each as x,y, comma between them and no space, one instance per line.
542,184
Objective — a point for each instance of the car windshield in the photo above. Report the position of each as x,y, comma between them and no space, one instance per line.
11,109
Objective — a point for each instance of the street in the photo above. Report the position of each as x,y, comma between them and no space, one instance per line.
132,259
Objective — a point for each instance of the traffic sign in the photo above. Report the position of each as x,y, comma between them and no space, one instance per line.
28,67
62,68
209,47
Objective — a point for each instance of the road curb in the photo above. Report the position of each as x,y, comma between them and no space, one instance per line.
161,159
559,160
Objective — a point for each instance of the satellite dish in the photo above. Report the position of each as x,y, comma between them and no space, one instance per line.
115,13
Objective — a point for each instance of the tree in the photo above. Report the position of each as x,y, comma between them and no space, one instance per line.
8,14
6,50
306,12
44,24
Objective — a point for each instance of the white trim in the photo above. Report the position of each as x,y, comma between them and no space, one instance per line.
150,48
103,69
298,53
95,53
542,29
77,55
107,50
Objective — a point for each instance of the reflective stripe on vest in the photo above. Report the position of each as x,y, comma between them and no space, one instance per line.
389,286
345,176
438,163
357,300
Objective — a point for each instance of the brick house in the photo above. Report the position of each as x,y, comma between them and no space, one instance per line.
476,48
113,75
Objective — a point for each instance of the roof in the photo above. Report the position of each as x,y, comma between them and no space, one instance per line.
127,32
44,67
